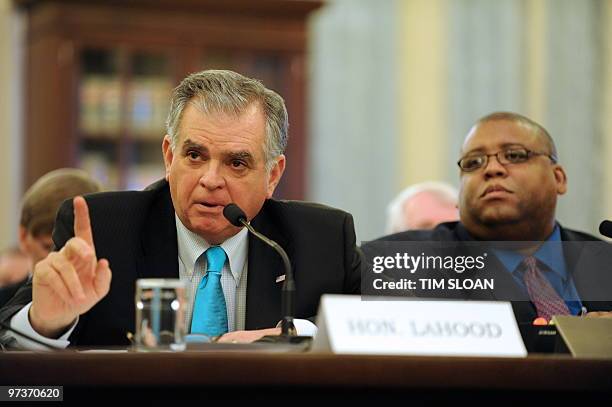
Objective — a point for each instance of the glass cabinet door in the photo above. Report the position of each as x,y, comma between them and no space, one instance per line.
123,98
123,102
99,115
148,98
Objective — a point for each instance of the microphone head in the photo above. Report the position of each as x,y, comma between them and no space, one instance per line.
605,228
234,214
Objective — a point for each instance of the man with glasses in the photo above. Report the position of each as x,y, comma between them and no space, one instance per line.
510,180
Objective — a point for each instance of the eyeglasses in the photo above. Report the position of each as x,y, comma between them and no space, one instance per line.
514,155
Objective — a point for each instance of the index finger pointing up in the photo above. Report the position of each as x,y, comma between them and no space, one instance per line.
82,224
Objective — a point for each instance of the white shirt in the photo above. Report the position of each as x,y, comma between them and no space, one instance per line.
192,264
193,267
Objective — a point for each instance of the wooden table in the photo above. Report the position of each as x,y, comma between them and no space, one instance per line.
307,377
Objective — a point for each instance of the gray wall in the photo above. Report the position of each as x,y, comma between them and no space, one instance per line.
355,159
353,110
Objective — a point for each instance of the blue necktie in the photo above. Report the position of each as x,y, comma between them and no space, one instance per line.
209,310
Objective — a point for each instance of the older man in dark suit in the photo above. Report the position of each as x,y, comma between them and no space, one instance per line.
225,143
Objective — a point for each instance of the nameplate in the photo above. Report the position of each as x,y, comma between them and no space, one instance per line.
352,325
586,337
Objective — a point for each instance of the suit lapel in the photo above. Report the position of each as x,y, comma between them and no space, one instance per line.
263,302
159,250
505,286
505,289
588,263
572,251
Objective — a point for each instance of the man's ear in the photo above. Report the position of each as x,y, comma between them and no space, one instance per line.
275,174
560,179
168,154
23,243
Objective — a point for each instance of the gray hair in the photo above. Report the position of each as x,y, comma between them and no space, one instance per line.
396,219
221,91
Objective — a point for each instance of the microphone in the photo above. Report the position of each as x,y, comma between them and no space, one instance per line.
605,228
237,217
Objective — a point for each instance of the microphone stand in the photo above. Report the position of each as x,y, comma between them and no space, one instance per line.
288,330
288,335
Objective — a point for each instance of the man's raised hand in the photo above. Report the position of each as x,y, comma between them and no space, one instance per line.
68,283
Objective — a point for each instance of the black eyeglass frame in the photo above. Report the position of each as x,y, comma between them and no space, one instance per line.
499,155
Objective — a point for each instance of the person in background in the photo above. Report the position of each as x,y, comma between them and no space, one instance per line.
41,203
422,206
39,207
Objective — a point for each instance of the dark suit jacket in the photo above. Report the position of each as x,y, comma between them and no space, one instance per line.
584,263
7,292
136,232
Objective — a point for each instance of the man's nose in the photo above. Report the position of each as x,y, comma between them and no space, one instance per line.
212,177
494,168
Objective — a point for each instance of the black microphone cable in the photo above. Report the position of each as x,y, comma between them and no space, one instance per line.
237,217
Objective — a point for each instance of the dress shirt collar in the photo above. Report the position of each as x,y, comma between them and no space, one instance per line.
191,247
550,253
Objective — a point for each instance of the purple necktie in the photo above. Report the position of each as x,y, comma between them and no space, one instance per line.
541,293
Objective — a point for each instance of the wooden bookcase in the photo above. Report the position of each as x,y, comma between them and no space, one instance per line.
99,73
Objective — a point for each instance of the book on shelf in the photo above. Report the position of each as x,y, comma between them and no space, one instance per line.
148,99
100,105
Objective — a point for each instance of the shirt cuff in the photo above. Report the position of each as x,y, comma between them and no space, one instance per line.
304,327
21,322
